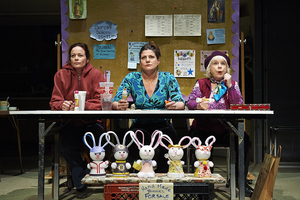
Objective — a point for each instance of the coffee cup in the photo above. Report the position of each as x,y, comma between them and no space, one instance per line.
4,105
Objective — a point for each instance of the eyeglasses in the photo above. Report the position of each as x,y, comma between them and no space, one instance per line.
204,148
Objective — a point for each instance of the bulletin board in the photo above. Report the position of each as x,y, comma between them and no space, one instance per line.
129,16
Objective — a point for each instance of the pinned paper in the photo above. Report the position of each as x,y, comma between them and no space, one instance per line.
131,65
104,51
134,50
184,63
104,31
215,36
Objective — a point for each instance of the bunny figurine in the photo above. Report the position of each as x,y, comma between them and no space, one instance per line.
202,154
120,167
97,154
146,154
175,154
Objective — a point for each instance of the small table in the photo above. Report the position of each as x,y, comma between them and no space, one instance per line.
223,115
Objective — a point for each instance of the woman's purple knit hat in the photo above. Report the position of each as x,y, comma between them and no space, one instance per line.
216,53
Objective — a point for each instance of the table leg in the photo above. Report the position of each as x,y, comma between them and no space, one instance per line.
56,167
232,167
15,123
241,143
41,167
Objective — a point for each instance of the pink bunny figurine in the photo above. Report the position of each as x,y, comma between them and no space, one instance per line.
203,153
146,153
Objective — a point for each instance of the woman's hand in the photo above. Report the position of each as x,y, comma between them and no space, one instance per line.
203,105
68,105
227,79
122,104
171,105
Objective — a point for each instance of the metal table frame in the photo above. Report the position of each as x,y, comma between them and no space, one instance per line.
222,115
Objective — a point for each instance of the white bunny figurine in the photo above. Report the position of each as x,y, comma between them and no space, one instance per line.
97,154
120,167
174,155
146,154
202,154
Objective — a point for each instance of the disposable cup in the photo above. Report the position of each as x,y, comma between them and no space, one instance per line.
4,105
106,94
82,97
106,102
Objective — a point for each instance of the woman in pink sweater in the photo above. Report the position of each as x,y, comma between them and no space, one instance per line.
217,91
77,74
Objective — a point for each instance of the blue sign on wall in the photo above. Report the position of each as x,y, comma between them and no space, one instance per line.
104,51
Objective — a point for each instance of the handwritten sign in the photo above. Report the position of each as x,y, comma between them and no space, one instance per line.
103,31
162,191
104,51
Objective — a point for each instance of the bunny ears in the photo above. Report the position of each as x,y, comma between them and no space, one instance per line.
95,149
196,139
171,144
118,145
141,144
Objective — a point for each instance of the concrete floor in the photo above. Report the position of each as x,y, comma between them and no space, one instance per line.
17,186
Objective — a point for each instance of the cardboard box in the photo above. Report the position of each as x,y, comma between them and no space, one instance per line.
250,106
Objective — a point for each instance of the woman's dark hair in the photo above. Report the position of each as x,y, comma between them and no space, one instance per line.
82,45
152,47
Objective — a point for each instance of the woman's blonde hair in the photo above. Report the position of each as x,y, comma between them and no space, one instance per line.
208,74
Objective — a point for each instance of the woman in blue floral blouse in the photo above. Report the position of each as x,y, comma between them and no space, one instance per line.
151,90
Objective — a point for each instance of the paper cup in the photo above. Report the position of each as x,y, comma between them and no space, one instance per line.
106,94
82,97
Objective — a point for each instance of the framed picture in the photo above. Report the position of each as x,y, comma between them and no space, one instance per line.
77,9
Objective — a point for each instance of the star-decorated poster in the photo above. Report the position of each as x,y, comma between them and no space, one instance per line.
184,63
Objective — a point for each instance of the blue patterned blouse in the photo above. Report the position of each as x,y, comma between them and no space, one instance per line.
166,87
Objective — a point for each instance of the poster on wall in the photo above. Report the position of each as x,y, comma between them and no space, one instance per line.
204,55
158,25
216,11
133,54
104,51
187,25
104,31
184,63
77,9
215,36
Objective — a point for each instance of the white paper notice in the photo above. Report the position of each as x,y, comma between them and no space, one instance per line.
161,191
158,25
187,25
184,63
131,65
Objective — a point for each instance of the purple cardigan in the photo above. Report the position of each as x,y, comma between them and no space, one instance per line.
201,89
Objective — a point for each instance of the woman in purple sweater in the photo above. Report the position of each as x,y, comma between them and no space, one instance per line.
217,91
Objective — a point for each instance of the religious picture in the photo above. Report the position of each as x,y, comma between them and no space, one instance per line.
77,9
216,11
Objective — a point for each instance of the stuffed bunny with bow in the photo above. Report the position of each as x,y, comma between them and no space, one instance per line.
120,167
97,154
175,154
146,154
203,153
